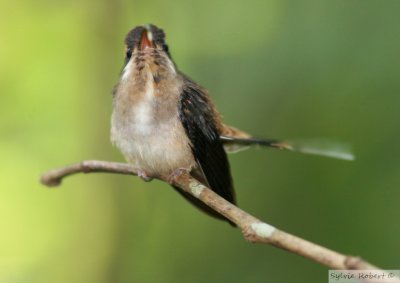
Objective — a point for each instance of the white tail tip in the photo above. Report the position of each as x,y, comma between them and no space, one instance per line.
323,147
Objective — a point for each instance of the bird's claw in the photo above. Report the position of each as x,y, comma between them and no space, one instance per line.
143,175
176,174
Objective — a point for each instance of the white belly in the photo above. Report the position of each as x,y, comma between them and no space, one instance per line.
152,145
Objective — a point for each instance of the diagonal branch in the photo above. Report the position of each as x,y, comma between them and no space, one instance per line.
253,229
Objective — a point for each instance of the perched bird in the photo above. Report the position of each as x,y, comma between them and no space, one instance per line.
165,123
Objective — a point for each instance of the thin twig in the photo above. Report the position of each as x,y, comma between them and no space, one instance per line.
253,229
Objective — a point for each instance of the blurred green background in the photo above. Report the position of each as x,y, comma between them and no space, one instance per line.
289,69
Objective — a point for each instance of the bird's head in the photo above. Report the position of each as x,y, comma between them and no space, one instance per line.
145,46
145,38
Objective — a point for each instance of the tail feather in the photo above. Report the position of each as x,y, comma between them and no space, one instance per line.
321,147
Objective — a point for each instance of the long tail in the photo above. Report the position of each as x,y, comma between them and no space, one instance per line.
322,147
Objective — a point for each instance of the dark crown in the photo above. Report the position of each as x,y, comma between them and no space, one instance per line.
133,37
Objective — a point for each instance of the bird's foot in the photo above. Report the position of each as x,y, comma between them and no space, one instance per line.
143,175
176,174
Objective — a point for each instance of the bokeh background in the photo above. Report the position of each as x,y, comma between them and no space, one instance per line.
288,69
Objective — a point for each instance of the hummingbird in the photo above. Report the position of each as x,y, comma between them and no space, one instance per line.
164,123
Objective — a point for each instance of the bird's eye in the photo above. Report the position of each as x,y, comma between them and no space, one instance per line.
165,47
128,53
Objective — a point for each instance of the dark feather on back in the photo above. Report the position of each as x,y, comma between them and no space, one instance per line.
196,115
